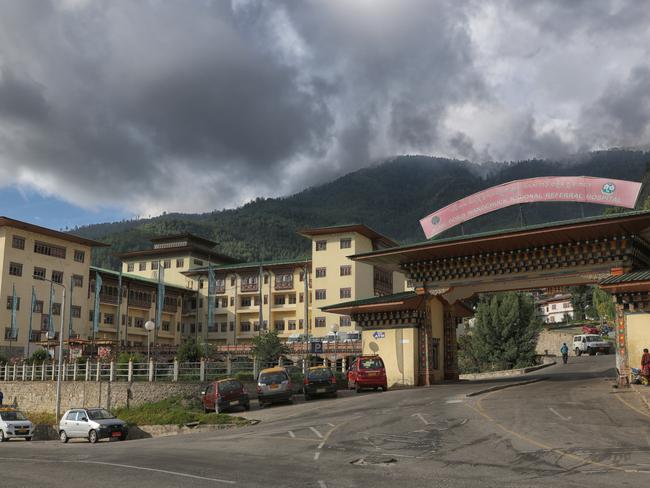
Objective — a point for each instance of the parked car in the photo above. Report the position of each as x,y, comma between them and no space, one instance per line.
221,395
590,329
274,385
92,424
14,425
297,338
590,344
367,372
319,381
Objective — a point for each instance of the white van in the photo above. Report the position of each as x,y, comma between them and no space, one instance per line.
591,344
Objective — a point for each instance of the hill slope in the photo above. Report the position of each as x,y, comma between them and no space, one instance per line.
390,197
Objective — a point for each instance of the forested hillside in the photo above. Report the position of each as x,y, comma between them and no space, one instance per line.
390,197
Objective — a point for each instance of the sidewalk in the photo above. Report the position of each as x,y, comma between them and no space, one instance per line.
644,393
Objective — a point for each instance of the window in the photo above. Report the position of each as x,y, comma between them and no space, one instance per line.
292,299
224,302
279,300
266,299
198,262
57,276
78,281
233,280
346,270
345,293
167,263
154,265
345,321
18,242
346,243
9,302
79,256
321,272
245,301
300,322
291,325
15,269
302,276
266,279
279,325
231,326
301,297
223,327
39,273
130,267
320,322
138,322
166,325
38,306
56,308
321,294
245,326
201,284
45,322
232,301
321,245
75,311
109,318
180,263
553,306
142,266
49,249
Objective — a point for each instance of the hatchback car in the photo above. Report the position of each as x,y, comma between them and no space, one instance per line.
319,381
367,372
224,394
92,424
14,425
274,385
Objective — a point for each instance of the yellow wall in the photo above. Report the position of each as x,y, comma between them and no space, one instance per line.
638,336
29,259
398,349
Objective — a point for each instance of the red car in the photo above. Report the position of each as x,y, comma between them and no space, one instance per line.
590,329
367,372
224,394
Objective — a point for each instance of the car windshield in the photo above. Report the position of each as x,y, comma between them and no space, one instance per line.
275,377
371,363
593,339
100,414
320,374
14,415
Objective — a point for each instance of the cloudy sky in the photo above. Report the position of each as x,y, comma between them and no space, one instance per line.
117,108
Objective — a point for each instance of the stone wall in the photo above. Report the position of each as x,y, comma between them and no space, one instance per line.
550,341
40,396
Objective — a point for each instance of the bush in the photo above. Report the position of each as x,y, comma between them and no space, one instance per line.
191,351
244,376
37,357
3,359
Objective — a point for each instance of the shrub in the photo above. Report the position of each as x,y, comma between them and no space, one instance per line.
244,376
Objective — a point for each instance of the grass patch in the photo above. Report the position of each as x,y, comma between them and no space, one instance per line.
174,411
41,418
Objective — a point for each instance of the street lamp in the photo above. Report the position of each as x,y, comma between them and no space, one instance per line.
60,358
149,325
335,330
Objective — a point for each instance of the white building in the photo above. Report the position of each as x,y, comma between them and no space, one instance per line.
556,309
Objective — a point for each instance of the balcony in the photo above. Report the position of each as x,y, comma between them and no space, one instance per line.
220,289
139,303
249,287
110,299
284,285
35,336
170,308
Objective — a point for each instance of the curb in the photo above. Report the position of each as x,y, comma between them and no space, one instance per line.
503,387
507,373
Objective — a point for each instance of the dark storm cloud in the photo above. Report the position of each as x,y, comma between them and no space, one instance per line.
191,106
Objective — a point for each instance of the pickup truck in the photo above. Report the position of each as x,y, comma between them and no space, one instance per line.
591,344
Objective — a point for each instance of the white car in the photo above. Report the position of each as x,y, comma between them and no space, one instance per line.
14,425
590,344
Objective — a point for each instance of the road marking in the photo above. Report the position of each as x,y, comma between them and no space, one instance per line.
322,484
128,466
645,414
292,434
320,436
320,446
331,425
558,414
316,455
454,401
421,417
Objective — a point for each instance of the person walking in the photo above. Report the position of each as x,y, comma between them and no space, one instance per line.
645,363
564,350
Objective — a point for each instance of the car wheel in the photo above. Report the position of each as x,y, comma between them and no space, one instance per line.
123,436
92,436
247,406
217,408
63,437
2,436
578,352
290,401
262,404
307,397
334,394
384,388
592,352
28,439
358,388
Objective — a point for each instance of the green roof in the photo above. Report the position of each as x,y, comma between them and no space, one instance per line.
642,275
252,264
134,277
405,295
492,233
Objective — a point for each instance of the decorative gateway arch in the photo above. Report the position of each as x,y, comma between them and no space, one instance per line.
447,271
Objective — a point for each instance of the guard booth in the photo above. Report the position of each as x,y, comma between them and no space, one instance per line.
415,332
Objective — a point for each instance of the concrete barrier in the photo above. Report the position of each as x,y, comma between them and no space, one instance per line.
492,375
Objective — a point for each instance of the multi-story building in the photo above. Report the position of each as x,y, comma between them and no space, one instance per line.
31,255
336,278
558,308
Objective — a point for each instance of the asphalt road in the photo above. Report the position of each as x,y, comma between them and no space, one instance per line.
572,429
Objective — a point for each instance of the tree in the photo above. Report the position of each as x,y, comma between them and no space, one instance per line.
603,305
191,351
505,334
580,301
267,348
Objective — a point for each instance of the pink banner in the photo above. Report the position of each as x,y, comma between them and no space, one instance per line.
582,189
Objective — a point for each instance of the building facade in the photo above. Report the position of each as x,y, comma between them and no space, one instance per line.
555,309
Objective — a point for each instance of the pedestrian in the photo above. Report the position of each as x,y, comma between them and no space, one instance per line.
1,397
564,350
645,364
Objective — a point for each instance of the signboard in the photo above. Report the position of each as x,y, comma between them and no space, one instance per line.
378,334
316,347
581,189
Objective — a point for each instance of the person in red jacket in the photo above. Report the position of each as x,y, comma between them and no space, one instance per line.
645,363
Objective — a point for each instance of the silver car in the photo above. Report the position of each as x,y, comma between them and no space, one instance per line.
274,385
92,424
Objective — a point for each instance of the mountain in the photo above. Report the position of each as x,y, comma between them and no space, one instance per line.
390,197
